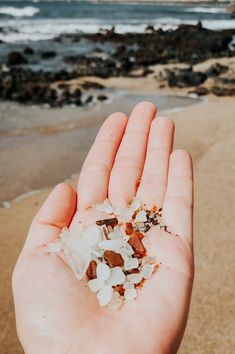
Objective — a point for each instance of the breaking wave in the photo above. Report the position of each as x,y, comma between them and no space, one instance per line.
28,11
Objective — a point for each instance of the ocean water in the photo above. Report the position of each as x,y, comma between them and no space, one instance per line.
45,19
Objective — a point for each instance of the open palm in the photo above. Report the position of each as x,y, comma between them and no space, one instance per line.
55,312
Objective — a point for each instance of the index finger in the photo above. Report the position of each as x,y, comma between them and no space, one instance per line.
94,176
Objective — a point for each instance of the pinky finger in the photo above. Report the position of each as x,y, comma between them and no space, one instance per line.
178,202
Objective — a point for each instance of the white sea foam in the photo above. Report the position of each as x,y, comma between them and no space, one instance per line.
207,10
219,24
41,29
28,11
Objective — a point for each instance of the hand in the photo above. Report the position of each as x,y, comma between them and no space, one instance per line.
55,313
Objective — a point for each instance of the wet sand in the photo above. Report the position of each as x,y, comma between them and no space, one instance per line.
207,131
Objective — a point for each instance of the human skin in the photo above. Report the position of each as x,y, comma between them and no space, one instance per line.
56,313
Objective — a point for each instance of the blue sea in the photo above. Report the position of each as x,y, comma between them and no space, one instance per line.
24,21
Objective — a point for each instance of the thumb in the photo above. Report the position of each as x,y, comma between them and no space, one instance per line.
56,213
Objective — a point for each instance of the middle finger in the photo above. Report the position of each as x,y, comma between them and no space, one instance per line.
129,160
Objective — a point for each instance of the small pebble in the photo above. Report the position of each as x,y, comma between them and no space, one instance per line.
111,245
128,285
104,295
103,271
95,285
147,270
117,277
130,294
131,263
135,278
141,216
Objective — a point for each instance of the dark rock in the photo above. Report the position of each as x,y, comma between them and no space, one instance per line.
16,58
139,51
200,91
63,86
102,97
62,75
125,66
199,25
87,85
225,80
29,87
216,70
77,94
108,33
186,78
48,54
120,52
65,97
28,51
70,59
223,91
88,99
98,50
57,39
147,71
128,54
149,29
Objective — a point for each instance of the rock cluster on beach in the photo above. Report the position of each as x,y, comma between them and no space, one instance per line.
132,55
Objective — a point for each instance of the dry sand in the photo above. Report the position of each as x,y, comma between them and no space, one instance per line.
207,131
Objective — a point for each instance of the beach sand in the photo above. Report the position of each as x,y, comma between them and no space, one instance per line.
207,131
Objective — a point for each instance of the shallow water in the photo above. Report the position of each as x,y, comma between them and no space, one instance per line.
16,120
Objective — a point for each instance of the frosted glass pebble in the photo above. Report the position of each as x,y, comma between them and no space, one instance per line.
104,295
92,235
131,263
135,204
134,278
54,247
117,277
141,216
104,207
130,294
147,270
103,271
111,245
95,285
128,285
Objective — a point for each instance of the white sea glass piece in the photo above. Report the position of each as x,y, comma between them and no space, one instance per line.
104,295
134,278
111,245
147,270
130,263
135,204
130,294
141,216
92,235
54,247
95,285
103,271
128,285
104,207
117,277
